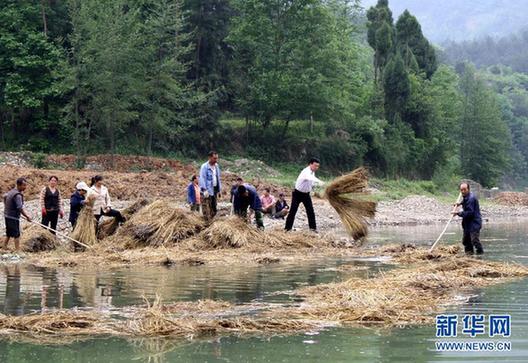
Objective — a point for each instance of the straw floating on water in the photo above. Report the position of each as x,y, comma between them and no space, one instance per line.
57,322
410,295
346,195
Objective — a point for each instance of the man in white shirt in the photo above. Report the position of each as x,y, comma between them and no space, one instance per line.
301,194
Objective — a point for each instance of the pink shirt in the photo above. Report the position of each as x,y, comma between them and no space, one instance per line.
267,201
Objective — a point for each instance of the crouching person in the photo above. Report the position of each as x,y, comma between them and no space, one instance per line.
268,202
103,204
245,197
281,207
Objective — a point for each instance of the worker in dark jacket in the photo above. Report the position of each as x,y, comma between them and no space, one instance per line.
77,201
245,197
471,220
13,209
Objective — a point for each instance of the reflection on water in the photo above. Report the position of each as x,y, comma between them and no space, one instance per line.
27,289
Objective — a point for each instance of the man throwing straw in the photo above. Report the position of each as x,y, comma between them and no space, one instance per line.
301,194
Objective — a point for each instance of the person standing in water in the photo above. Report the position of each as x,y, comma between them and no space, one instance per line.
471,220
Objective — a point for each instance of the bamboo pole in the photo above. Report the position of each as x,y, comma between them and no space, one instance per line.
52,230
448,222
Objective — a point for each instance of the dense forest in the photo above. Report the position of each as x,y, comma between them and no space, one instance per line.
277,80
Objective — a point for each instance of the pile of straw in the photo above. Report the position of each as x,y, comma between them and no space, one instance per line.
37,239
230,232
410,253
403,296
159,224
234,232
58,322
410,295
109,226
346,194
157,320
84,230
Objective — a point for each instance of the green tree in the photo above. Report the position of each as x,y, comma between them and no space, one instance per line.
409,36
485,138
166,97
396,86
29,79
294,60
380,35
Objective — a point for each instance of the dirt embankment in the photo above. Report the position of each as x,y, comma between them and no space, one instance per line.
128,177
135,177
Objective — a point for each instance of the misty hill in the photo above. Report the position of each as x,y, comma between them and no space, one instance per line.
511,50
463,19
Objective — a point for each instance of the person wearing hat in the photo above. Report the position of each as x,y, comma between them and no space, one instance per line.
77,201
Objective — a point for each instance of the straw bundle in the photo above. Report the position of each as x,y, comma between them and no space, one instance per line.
36,239
234,232
345,194
230,232
109,226
159,224
294,240
84,230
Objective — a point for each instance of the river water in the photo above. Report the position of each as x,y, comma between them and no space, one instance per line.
25,290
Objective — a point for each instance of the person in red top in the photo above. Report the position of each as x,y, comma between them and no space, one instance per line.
268,202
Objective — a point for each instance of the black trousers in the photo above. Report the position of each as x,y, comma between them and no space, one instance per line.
111,213
50,219
471,242
298,198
